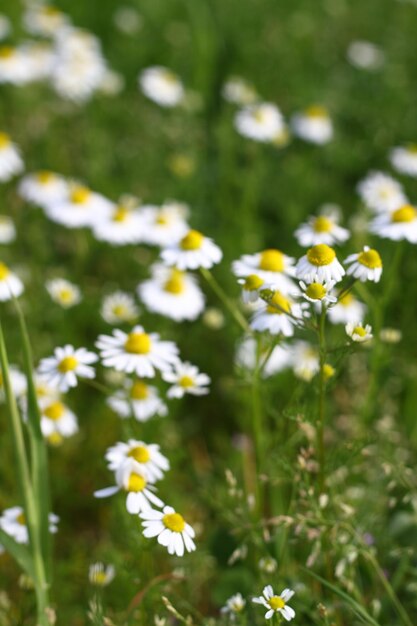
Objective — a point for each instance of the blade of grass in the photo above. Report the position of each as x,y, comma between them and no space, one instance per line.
19,552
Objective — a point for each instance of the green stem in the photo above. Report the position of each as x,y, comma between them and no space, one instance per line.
321,402
257,423
228,303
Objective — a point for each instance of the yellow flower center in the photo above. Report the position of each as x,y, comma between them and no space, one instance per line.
140,454
322,224
278,304
346,300
316,111
272,261
99,579
21,519
67,364
170,77
66,295
193,240
4,271
6,52
138,343
276,602
321,255
328,371
50,11
55,439
186,381
162,220
316,291
121,214
136,483
54,411
370,258
406,213
44,177
4,140
359,330
259,115
412,148
174,521
175,283
139,391
253,282
80,195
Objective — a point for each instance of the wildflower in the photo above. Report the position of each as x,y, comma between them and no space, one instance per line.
251,285
318,293
67,365
271,266
194,250
390,335
347,309
276,604
321,229
162,86
44,20
397,225
137,352
268,565
7,229
10,284
234,605
133,480
366,265
63,292
172,293
139,400
380,192
165,225
170,527
213,318
238,91
119,307
273,361
10,160
18,382
123,226
358,332
186,379
320,264
261,122
15,65
278,316
44,188
147,456
313,125
81,208
57,420
101,575
328,371
13,522
305,360
365,55
404,159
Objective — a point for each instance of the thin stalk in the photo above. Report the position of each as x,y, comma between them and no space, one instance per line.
228,303
321,409
257,423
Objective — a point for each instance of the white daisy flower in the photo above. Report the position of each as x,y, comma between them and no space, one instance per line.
318,293
138,399
18,383
57,420
44,188
44,20
194,250
40,58
101,575
268,565
320,264
67,365
15,66
63,292
321,229
148,457
271,266
133,479
162,86
278,359
251,285
44,391
123,226
164,226
7,229
238,91
380,192
170,527
10,284
398,225
305,360
119,307
137,352
261,122
404,159
366,265
279,316
365,55
234,605
186,379
313,125
359,333
13,522
83,207
348,309
276,604
11,162
172,293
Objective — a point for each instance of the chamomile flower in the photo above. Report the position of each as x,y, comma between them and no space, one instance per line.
318,293
13,522
137,399
366,265
165,225
119,307
305,360
278,316
148,457
123,226
162,86
63,292
44,188
137,352
238,91
133,479
67,365
251,285
234,605
57,420
186,379
321,229
101,575
271,266
365,55
268,565
15,65
81,208
276,604
261,122
347,309
11,162
170,528
18,383
313,125
397,225
172,293
380,192
7,229
192,251
10,284
359,333
404,159
44,20
320,264
246,357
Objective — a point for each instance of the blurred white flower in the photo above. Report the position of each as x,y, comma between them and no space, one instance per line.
193,251
101,575
365,265
162,86
185,378
397,225
365,55
10,284
11,162
7,229
404,159
380,192
261,122
119,307
170,527
313,124
63,292
67,365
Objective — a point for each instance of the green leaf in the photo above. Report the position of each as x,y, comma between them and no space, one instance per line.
19,551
